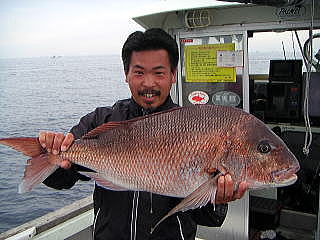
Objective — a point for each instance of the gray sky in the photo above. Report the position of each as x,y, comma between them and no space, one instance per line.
31,28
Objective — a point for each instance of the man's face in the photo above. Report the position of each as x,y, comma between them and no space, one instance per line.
150,77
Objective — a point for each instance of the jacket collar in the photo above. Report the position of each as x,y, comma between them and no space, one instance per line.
140,111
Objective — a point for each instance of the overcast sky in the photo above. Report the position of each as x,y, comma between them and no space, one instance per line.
65,27
31,28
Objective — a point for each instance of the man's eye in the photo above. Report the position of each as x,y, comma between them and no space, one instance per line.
159,73
138,72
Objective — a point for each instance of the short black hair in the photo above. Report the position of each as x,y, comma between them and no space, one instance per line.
151,39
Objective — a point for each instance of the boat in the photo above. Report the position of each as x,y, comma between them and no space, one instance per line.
218,34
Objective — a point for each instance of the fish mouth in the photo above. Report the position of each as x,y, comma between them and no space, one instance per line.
287,181
278,178
285,177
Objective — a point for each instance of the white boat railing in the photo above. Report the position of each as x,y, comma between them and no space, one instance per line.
63,223
73,222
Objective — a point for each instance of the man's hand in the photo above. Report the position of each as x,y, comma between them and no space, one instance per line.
225,192
55,142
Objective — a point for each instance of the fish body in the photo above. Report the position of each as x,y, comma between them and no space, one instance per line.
174,153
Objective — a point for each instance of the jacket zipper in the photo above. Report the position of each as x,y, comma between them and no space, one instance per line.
94,222
134,215
180,228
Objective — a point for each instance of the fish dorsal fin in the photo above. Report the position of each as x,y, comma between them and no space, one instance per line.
101,129
154,114
112,125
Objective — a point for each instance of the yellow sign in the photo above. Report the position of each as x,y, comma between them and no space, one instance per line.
201,63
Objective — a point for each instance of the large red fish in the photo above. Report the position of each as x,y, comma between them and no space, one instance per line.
174,153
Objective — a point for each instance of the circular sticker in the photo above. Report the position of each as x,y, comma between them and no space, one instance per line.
226,98
198,97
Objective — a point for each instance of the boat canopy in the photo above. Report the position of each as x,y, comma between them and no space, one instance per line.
158,11
188,14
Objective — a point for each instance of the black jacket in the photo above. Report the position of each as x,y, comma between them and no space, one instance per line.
127,214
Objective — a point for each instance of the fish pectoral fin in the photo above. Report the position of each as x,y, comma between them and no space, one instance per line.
198,198
102,182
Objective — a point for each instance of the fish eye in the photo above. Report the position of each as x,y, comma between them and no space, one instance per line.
264,147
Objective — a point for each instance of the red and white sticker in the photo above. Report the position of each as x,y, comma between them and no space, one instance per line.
198,97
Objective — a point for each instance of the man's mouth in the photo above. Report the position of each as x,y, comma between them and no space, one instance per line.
149,93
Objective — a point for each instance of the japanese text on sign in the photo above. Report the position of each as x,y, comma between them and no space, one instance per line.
201,63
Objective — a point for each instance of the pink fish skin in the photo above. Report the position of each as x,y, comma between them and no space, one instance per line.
173,153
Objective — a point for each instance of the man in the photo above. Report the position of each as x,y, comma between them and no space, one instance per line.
150,62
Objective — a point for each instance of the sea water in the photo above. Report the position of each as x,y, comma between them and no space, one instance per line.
49,93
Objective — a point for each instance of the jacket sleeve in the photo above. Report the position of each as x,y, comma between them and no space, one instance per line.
210,215
91,121
66,178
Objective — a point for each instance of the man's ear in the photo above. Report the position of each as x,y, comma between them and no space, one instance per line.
174,76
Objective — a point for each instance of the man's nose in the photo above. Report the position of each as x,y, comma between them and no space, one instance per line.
148,81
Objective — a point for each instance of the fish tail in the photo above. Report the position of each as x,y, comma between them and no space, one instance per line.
27,145
37,170
39,167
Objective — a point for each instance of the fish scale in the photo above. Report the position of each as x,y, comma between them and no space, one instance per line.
173,153
148,135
